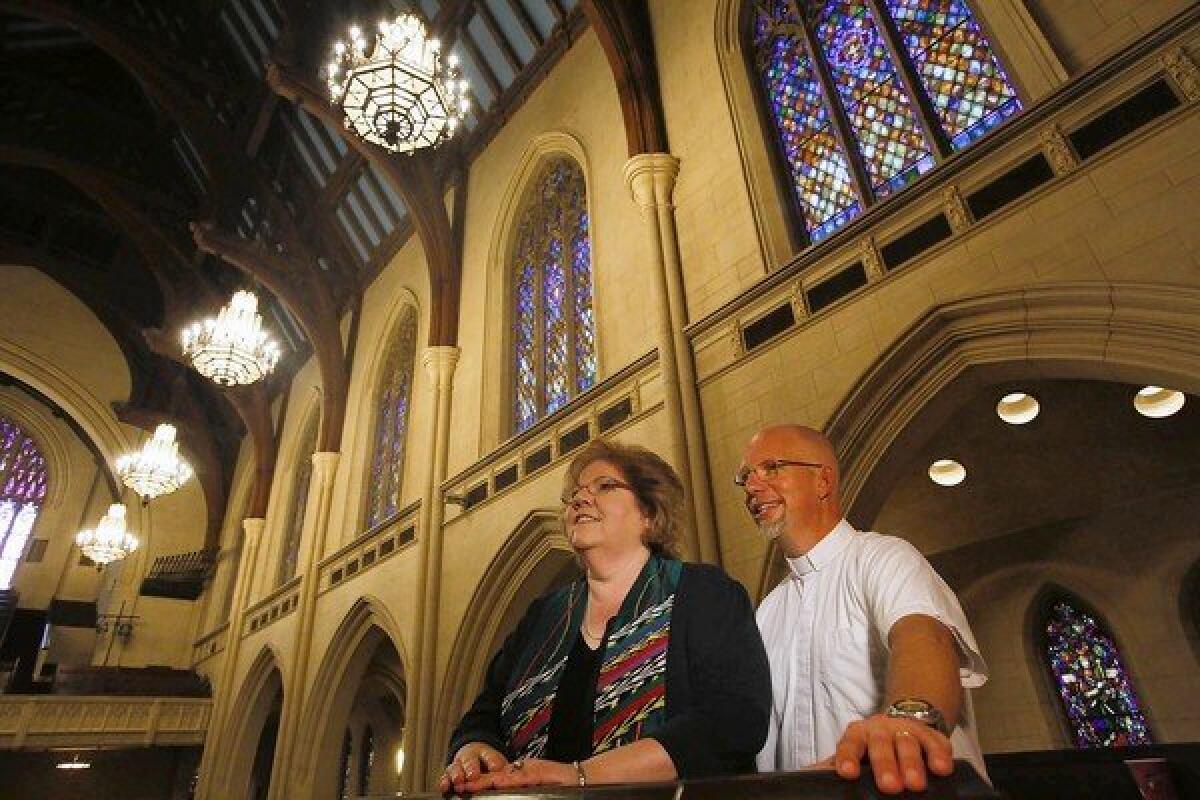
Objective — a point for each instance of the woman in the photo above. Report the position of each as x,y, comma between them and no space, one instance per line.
644,669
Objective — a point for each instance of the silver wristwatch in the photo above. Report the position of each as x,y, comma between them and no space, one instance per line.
918,710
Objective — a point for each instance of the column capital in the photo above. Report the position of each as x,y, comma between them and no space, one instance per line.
651,178
253,526
324,463
439,361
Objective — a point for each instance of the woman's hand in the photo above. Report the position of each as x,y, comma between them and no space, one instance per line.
473,761
524,772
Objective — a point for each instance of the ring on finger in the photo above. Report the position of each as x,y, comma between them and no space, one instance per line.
903,732
518,764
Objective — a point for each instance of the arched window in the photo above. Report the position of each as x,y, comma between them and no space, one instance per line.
554,353
1097,694
302,477
343,791
366,760
22,490
865,95
391,422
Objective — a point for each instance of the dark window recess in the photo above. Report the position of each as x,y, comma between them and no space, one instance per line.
335,576
537,459
615,414
573,438
1017,182
352,567
505,477
768,326
72,613
407,535
254,624
836,287
387,547
475,495
36,550
1123,119
274,613
909,245
368,558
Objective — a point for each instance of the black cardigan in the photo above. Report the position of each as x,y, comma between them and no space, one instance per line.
718,681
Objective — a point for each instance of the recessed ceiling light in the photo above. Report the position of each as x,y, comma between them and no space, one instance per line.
1018,408
74,763
1157,402
947,472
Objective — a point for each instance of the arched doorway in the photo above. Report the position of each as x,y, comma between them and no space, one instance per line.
247,773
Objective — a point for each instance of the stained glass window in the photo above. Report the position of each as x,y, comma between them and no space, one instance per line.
290,547
391,423
554,334
1095,688
835,76
22,491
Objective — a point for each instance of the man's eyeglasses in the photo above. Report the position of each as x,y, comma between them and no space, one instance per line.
595,487
767,470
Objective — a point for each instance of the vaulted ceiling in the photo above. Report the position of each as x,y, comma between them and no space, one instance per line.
156,156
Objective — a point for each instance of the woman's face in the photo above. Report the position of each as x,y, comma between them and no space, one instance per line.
604,512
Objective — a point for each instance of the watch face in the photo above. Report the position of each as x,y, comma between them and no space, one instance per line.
912,706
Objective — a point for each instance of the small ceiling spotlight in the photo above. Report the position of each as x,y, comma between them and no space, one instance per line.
1156,402
1018,408
947,472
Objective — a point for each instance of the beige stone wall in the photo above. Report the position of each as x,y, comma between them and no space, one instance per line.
1084,32
1128,565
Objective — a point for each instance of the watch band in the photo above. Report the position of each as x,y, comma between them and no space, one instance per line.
579,773
919,710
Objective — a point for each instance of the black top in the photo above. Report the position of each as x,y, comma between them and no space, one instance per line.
718,682
570,735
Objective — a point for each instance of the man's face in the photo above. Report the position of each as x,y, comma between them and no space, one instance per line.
786,501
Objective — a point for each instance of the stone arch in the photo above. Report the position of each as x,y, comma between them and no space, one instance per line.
496,368
37,422
366,628
1126,332
531,560
260,697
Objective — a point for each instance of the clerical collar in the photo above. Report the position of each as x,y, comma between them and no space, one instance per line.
824,552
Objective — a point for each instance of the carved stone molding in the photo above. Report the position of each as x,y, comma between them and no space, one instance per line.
955,209
1184,72
1058,150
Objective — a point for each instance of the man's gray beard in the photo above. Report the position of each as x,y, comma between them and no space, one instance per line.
773,529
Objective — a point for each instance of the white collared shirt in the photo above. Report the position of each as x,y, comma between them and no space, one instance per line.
826,629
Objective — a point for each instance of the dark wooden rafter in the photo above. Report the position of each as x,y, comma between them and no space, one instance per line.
482,65
623,29
417,183
493,27
525,21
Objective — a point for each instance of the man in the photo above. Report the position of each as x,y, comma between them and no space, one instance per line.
869,649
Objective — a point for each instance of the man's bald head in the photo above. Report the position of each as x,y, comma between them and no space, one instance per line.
792,485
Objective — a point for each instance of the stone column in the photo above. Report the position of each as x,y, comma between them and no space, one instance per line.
212,761
313,534
651,180
439,364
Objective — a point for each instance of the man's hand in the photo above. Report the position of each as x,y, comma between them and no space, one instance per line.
898,750
520,773
473,760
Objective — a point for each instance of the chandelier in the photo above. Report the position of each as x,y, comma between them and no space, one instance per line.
156,469
401,96
109,541
232,349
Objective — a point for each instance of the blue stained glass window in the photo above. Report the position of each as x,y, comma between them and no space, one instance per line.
391,423
553,322
941,45
1095,688
22,492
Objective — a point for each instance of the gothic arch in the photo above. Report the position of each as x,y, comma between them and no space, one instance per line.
261,692
32,418
522,570
344,665
497,371
1129,332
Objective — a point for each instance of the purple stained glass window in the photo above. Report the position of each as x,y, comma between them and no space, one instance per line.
939,42
1092,682
22,491
553,323
960,72
391,424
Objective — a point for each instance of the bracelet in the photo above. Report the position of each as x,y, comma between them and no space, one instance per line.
579,773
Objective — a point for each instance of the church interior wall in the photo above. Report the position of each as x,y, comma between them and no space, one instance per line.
1084,32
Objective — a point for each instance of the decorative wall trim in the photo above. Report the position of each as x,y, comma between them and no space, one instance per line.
40,722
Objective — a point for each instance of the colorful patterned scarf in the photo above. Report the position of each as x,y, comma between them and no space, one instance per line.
631,694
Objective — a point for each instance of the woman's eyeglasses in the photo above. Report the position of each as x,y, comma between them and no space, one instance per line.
595,487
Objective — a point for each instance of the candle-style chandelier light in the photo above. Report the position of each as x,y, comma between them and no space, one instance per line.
401,94
232,349
156,469
110,540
